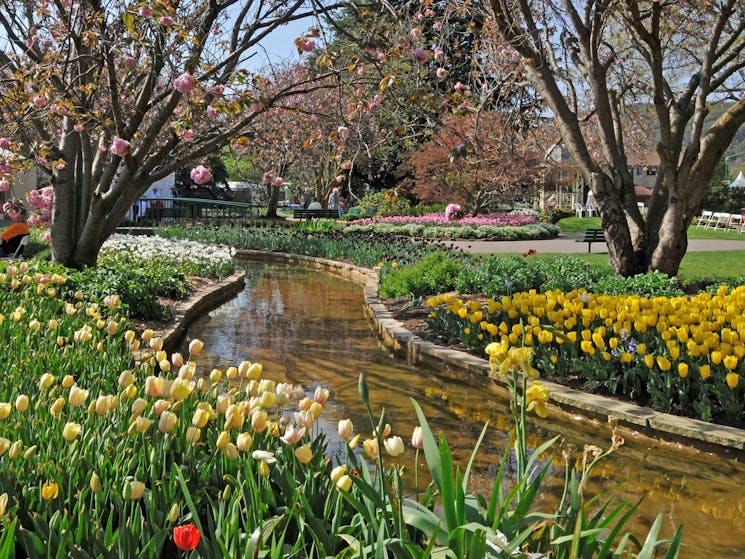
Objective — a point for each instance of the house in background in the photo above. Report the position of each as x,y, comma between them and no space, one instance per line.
644,167
29,180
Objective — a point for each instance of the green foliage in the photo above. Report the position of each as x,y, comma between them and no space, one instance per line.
495,276
651,284
383,205
425,209
318,225
555,215
435,272
567,272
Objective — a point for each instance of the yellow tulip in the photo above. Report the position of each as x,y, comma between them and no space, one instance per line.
181,389
133,490
663,363
46,381
244,442
683,370
71,431
77,396
344,483
733,379
49,491
22,403
5,408
222,440
705,371
3,504
730,362
67,381
200,418
4,445
56,408
304,454
167,422
337,472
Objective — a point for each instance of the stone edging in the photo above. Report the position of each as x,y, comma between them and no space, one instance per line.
404,343
187,311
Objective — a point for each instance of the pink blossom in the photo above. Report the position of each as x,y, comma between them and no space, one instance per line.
361,70
166,20
4,186
60,166
130,62
217,89
347,165
437,25
184,83
340,178
267,178
119,146
39,100
439,218
47,236
416,33
381,56
187,134
145,11
458,86
441,73
439,54
278,181
343,132
200,174
420,55
307,46
212,112
4,143
78,128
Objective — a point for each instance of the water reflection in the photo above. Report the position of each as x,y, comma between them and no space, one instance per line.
308,327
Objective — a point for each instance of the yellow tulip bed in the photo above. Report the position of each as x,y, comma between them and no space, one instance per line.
682,355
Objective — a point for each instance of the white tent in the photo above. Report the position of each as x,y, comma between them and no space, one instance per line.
739,182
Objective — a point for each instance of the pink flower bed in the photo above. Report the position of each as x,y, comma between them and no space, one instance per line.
440,219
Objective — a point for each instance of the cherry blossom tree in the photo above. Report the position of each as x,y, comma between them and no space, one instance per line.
109,97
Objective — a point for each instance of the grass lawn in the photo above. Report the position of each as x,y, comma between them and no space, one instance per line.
579,224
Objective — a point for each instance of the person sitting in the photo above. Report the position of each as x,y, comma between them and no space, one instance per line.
13,234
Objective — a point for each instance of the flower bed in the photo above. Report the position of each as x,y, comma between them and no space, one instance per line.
681,355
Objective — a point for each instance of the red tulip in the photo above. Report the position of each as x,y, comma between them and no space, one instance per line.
186,537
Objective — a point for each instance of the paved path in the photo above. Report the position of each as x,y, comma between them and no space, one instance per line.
565,243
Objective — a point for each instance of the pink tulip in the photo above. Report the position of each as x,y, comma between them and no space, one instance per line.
184,83
4,186
200,174
119,147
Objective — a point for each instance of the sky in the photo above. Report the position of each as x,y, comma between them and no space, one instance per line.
279,46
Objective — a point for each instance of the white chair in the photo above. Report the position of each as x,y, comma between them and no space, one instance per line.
735,221
704,218
579,209
17,254
591,209
719,219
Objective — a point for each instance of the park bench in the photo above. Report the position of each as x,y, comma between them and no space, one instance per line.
592,235
309,214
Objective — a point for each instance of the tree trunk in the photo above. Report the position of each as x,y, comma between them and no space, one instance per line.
273,195
673,241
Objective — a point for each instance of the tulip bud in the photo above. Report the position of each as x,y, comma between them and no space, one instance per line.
363,389
5,408
167,422
417,438
337,472
173,514
195,347
30,452
344,483
345,428
193,434
243,368
56,408
139,406
95,483
126,379
394,446
244,442
77,396
153,386
133,490
231,373
4,445
222,440
22,403
68,381
3,504
46,381
304,454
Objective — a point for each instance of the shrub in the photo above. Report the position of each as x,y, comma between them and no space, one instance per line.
383,205
496,276
651,284
434,273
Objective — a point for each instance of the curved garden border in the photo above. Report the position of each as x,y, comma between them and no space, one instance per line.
404,343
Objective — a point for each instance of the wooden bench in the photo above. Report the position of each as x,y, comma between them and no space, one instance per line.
592,235
309,214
